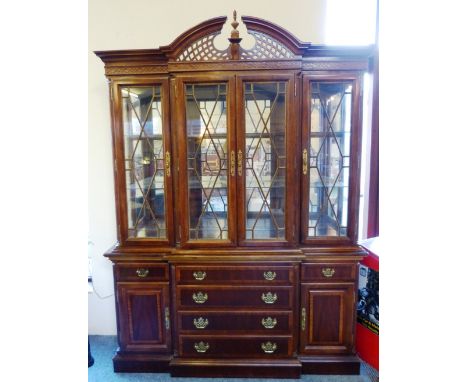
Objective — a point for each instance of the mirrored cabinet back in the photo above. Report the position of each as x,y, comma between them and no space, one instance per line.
237,191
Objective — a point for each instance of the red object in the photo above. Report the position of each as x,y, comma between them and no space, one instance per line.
367,342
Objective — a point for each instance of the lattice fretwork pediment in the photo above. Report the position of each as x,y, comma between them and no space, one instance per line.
203,50
266,47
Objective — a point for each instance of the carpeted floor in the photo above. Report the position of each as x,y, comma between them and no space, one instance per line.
102,350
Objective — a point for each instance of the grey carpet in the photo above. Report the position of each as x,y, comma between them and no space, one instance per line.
103,347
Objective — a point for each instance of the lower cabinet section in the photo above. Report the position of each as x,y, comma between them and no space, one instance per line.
236,319
144,317
327,318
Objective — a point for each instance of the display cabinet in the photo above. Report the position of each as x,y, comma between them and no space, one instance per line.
237,190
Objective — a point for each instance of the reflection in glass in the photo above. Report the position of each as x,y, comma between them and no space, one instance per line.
329,158
207,160
265,159
144,161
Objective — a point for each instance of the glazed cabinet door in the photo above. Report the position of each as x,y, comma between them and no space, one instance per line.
330,158
206,148
142,151
327,318
144,317
265,159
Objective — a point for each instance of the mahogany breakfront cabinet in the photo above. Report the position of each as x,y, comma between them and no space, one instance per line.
237,189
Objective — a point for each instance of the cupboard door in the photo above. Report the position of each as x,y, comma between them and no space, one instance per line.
143,313
207,161
327,318
330,163
143,161
265,139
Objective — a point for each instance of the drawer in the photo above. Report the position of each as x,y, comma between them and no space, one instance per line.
240,347
141,272
234,274
328,272
212,296
223,322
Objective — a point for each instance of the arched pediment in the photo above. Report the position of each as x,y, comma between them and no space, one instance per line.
271,42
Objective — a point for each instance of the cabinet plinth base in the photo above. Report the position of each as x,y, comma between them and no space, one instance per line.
242,368
141,363
330,364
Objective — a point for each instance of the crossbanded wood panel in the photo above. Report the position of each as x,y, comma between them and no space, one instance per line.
329,323
141,315
318,272
217,274
229,322
230,346
281,297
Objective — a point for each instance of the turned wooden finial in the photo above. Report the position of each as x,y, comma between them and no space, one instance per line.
234,47
235,24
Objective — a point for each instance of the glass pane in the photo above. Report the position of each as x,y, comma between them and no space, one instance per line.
144,161
207,160
329,158
265,159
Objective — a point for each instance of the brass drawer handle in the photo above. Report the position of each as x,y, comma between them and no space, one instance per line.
269,323
199,275
269,298
269,275
303,319
200,297
167,317
168,164
142,272
304,162
269,347
201,347
328,272
233,163
200,323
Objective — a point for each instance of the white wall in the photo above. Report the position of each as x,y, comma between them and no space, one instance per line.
139,24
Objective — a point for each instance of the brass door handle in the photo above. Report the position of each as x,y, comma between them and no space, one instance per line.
269,298
167,317
269,275
168,163
200,323
142,272
199,275
269,323
304,161
233,163
269,347
200,297
201,347
303,319
328,272
239,163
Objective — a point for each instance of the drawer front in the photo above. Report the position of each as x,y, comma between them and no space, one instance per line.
141,272
200,297
211,274
328,272
225,346
222,322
